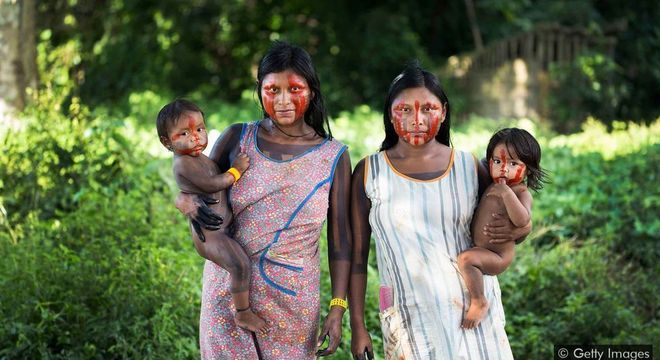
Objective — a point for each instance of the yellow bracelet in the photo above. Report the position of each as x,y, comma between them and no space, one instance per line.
339,302
235,173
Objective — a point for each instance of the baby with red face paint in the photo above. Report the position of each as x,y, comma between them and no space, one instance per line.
181,129
513,157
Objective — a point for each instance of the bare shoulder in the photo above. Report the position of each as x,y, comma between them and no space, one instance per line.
234,129
182,161
188,164
231,135
225,144
345,158
360,167
520,189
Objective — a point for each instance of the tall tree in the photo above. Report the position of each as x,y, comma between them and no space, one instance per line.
18,67
474,25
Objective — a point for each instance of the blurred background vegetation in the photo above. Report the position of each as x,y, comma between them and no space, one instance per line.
97,263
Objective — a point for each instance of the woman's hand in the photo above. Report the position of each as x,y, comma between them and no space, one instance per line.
195,207
331,328
500,230
361,346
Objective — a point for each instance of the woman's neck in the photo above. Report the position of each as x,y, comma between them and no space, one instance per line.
298,129
404,150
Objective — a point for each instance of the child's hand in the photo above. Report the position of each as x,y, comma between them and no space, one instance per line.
241,163
498,190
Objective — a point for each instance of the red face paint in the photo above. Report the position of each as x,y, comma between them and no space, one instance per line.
503,162
506,166
268,93
518,176
398,115
416,116
188,136
299,94
416,124
285,96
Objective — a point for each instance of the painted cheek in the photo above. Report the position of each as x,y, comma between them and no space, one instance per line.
399,127
518,177
203,139
434,125
300,102
300,99
268,100
493,170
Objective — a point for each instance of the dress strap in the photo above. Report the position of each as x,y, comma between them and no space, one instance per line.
247,138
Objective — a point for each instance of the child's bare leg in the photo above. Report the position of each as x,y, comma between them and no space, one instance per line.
226,252
473,263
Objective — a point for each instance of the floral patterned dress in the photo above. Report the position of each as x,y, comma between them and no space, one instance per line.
279,208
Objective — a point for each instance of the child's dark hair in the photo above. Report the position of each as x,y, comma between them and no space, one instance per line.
414,76
528,151
168,115
283,56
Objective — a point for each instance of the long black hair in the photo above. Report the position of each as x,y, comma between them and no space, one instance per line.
283,56
414,76
528,151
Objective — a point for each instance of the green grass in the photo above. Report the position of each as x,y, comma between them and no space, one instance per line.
97,263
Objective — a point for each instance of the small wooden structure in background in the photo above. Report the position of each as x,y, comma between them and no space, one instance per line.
509,78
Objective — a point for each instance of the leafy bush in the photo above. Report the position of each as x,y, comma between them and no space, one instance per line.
98,264
591,85
576,294
95,257
586,273
50,165
104,281
604,187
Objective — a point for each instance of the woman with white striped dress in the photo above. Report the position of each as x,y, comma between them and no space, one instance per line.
417,196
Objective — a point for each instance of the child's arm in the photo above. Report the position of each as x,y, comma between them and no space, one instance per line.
194,172
518,205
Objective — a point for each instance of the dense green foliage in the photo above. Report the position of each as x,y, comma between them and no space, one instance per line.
98,264
591,85
211,46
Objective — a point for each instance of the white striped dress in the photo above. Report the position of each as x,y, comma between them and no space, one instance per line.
420,227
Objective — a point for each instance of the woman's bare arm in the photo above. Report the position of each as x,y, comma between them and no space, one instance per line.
361,345
339,250
227,146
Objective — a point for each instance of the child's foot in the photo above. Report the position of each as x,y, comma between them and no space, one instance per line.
248,320
477,311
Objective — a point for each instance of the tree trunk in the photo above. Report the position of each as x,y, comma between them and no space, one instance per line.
18,68
474,26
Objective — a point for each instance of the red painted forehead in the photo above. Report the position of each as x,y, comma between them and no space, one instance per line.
503,150
293,77
289,76
420,94
186,120
189,118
